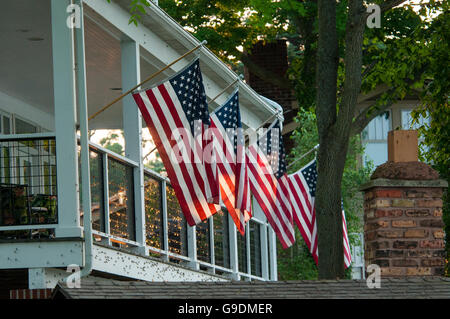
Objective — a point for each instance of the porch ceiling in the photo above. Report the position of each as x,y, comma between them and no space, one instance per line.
25,52
26,60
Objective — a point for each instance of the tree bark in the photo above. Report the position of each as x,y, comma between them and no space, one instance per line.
335,128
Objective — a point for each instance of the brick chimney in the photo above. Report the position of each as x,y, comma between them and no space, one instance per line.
403,226
273,57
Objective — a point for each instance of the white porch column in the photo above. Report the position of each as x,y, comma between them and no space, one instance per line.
232,231
264,252
192,247
132,128
65,121
273,275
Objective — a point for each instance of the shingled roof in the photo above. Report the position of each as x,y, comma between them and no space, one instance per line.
424,288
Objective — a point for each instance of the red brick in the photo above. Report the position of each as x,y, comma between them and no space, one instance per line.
388,193
402,244
396,253
432,192
439,234
388,213
375,225
380,203
433,262
434,244
419,253
418,271
402,203
389,233
429,203
417,213
403,223
381,262
370,214
392,271
369,236
381,253
413,193
437,212
404,262
377,244
432,223
416,233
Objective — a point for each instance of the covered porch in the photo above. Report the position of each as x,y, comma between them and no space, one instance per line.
48,162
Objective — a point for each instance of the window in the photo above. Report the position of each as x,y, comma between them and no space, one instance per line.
153,213
221,239
176,224
23,127
203,241
407,124
407,120
97,196
121,199
5,125
255,248
374,136
242,252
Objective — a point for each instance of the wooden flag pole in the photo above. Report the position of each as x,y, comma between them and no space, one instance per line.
247,138
306,154
146,80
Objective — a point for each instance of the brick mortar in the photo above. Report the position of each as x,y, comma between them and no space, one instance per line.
403,227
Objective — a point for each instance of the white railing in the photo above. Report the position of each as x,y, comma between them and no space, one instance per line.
28,185
112,197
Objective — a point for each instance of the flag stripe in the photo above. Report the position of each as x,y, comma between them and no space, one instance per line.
262,189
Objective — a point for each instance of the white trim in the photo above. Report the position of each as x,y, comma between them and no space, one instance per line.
15,106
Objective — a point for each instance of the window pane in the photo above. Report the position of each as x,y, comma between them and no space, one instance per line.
26,174
97,196
176,223
221,239
255,248
203,241
242,252
121,199
23,127
153,214
6,125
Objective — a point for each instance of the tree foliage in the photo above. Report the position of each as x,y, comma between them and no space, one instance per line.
333,59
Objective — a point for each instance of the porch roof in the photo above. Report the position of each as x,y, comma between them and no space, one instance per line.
26,60
391,288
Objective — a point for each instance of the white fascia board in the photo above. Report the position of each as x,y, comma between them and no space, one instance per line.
161,51
113,261
43,254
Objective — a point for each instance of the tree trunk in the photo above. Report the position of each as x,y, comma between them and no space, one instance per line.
334,128
331,161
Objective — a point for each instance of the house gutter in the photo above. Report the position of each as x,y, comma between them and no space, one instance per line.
80,70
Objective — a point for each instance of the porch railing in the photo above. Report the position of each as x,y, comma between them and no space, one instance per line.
167,233
28,187
28,209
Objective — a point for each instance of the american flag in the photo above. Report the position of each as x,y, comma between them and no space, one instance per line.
231,161
302,185
177,116
269,182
